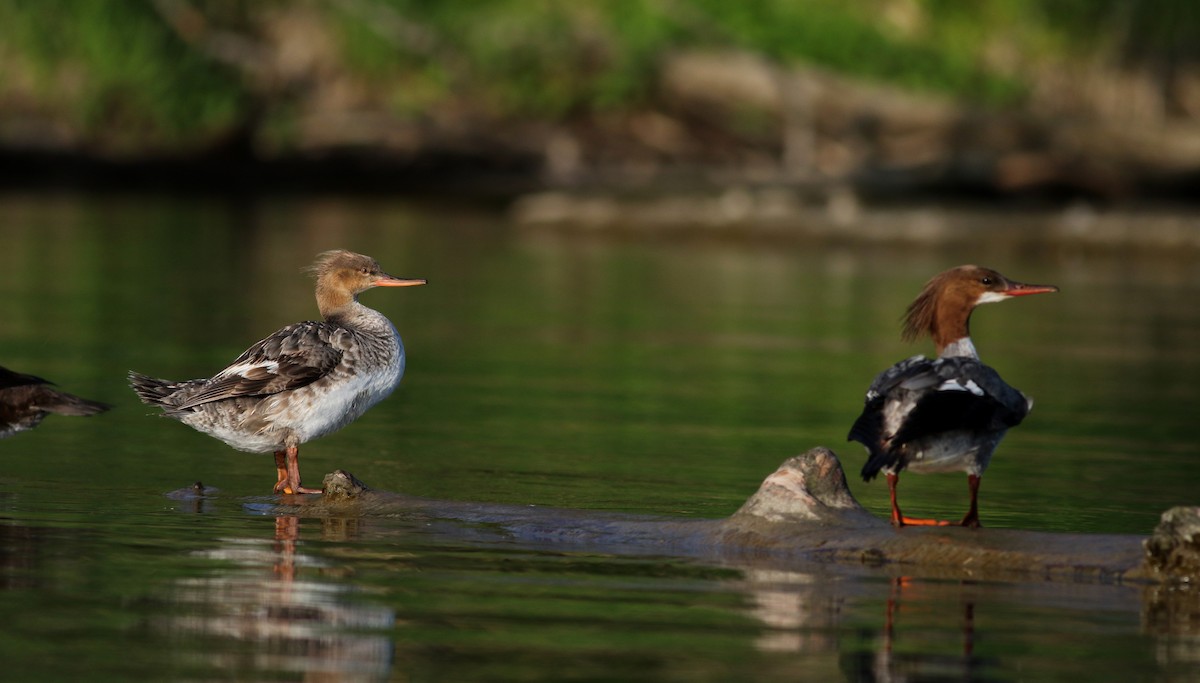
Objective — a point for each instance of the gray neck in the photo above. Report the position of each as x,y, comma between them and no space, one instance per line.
365,320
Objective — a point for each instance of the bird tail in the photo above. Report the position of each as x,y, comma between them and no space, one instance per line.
877,460
867,430
69,404
152,391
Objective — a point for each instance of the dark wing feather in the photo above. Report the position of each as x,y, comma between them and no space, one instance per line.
913,373
9,379
970,396
954,393
1008,406
944,411
868,429
869,425
293,357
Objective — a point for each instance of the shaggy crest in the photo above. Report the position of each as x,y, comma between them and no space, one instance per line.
943,308
921,315
338,259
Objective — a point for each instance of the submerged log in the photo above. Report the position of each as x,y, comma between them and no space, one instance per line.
802,513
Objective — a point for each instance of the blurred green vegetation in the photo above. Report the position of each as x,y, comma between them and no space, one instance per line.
112,65
549,59
174,70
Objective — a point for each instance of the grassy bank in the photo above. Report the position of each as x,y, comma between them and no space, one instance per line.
115,70
138,77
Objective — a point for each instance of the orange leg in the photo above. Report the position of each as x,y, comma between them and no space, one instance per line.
898,519
292,461
971,520
281,471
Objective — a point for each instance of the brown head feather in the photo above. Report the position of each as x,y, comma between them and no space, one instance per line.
919,316
341,276
337,259
943,308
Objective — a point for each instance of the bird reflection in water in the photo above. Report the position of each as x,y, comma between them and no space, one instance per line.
886,664
273,602
804,612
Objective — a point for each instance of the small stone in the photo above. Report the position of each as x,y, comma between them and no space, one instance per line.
342,484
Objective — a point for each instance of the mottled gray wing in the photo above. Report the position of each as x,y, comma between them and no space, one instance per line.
293,357
913,373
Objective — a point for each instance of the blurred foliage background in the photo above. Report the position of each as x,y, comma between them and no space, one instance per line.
129,78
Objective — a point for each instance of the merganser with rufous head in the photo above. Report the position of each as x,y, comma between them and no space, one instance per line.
25,400
302,382
948,413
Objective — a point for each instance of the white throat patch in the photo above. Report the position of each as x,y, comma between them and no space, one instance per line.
991,298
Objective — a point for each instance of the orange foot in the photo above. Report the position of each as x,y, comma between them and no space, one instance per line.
968,522
914,521
287,469
300,489
287,488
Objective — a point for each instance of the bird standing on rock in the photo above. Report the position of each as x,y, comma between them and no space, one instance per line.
25,400
948,413
302,382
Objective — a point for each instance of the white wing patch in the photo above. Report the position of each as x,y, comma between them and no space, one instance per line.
270,366
958,385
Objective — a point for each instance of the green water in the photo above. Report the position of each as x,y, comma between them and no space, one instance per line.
564,368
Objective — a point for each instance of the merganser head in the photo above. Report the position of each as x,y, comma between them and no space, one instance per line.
342,275
943,308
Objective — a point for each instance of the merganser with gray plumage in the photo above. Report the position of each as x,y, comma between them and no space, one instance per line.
302,382
948,413
26,400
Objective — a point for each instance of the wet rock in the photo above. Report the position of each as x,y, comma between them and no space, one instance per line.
802,513
807,488
1173,550
340,484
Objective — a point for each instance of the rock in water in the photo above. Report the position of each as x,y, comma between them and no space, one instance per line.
1173,549
342,484
809,487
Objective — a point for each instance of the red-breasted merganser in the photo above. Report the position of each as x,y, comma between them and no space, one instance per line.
302,382
949,413
26,400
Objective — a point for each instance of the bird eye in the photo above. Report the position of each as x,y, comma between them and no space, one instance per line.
986,280
365,270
